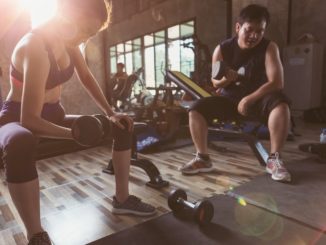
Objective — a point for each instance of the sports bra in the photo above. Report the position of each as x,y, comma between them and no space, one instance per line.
55,77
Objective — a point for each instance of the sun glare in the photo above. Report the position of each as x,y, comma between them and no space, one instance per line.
40,10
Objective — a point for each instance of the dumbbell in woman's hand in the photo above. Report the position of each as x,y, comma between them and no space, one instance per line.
87,130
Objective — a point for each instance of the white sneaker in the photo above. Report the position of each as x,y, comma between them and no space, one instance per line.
276,168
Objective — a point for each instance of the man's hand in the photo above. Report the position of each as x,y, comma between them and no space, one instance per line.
244,105
230,76
119,118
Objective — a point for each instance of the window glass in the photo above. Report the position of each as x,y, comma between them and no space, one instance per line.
128,46
187,29
149,67
120,48
187,57
174,32
113,65
159,37
148,40
174,55
172,46
128,64
159,64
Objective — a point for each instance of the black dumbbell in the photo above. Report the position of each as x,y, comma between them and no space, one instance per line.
202,211
220,69
105,124
87,130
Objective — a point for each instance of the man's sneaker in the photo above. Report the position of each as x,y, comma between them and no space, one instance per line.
276,168
197,165
133,205
41,238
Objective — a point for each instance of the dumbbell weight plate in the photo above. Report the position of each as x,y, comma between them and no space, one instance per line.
204,212
173,203
105,124
87,130
218,70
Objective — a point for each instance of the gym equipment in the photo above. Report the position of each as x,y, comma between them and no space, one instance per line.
197,92
156,181
123,91
220,69
202,211
315,148
87,130
105,124
203,57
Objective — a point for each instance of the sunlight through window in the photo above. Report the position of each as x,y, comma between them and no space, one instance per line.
40,10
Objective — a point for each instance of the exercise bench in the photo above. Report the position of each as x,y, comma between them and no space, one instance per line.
197,92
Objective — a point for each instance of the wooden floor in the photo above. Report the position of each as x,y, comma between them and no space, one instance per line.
76,196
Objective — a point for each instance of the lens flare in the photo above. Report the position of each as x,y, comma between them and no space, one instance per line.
258,222
242,201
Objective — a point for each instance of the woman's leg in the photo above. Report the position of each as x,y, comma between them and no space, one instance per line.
18,146
121,157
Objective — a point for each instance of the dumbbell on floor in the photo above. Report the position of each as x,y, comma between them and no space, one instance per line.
87,130
202,211
220,69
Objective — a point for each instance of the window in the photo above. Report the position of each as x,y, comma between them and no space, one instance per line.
155,52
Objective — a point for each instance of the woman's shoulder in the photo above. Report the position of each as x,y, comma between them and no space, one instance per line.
29,44
28,47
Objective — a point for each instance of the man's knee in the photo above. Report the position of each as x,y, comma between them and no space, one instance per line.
282,108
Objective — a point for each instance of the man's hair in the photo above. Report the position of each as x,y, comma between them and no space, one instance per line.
121,64
254,13
100,9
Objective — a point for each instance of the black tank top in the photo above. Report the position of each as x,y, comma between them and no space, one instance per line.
253,60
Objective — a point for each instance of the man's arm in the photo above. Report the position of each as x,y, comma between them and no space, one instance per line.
230,77
275,80
274,72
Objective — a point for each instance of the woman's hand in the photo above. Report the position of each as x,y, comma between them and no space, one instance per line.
118,118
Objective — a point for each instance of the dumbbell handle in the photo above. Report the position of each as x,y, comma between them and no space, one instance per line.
185,202
240,77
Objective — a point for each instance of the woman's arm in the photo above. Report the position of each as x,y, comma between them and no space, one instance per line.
89,82
36,66
92,87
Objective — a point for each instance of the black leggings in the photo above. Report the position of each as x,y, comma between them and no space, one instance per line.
18,144
224,109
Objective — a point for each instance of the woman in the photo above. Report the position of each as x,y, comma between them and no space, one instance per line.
43,59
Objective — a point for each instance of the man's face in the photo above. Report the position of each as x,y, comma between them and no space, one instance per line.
120,68
250,33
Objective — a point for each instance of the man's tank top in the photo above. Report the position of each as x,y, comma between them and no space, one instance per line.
253,60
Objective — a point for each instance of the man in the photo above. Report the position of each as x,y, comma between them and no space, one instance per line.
260,97
118,83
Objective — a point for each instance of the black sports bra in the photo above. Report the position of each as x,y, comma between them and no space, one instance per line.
55,77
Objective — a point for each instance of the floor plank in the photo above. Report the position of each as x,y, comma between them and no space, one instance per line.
76,196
